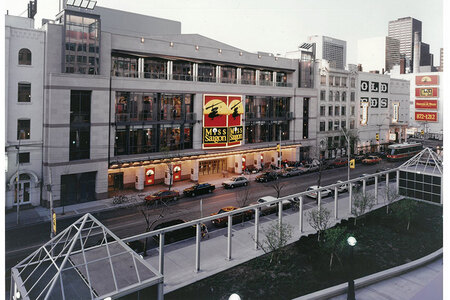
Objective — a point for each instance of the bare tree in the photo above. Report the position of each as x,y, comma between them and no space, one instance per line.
276,238
169,165
319,220
390,196
243,199
277,185
334,243
361,203
407,210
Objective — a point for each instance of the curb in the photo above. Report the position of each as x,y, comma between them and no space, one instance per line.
373,278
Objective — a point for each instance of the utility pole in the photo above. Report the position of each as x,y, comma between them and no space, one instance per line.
280,149
50,200
348,153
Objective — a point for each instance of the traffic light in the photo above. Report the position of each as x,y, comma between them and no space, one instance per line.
377,137
352,164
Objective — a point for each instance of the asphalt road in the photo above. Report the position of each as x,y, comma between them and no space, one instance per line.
126,222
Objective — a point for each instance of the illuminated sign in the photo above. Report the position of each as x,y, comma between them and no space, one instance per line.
222,121
365,112
426,116
426,104
149,176
395,114
176,172
427,80
426,92
392,136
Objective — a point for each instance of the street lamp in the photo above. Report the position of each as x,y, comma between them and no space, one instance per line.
351,241
348,152
234,297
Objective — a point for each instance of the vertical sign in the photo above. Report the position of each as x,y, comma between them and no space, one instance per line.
149,176
177,172
395,114
365,112
54,222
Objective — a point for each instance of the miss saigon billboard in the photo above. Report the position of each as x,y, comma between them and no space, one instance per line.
222,121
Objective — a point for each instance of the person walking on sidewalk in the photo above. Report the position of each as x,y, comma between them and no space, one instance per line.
204,230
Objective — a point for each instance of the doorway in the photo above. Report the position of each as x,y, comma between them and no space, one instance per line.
23,189
214,166
115,181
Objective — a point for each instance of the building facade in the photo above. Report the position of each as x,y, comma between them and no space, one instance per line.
24,65
331,49
127,101
403,29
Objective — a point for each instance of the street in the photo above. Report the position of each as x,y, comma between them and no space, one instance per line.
129,221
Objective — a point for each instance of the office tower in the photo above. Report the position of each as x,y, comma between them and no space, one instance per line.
331,49
378,53
403,30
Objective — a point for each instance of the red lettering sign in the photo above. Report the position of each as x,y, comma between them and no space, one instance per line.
427,104
427,80
426,116
426,92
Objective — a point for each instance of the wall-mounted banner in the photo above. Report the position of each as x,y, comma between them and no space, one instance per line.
364,112
427,104
426,92
384,87
363,100
395,113
364,86
149,176
373,102
426,116
222,121
427,80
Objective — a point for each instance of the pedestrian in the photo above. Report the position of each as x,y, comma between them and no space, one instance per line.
204,230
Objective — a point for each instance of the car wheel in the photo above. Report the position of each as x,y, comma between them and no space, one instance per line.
175,198
231,186
170,240
210,191
192,194
245,183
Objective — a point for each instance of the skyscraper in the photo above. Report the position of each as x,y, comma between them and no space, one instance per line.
331,49
403,30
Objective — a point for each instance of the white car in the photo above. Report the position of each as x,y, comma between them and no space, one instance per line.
313,194
342,188
270,198
235,181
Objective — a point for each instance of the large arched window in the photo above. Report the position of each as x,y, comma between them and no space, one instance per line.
24,56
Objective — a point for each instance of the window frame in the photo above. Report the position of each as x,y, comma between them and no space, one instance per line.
28,60
20,92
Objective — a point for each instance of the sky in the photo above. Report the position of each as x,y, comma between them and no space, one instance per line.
277,26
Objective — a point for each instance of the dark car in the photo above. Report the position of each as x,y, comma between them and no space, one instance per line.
359,158
392,175
253,169
339,162
164,195
267,176
136,246
223,221
369,181
198,189
175,235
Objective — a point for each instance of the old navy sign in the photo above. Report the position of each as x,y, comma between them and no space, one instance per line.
222,121
374,87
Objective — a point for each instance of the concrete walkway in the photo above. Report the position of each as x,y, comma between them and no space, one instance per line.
179,267
39,214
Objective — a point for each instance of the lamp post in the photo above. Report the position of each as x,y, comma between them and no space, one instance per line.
348,152
351,241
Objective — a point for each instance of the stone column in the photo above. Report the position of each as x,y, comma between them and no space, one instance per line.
194,170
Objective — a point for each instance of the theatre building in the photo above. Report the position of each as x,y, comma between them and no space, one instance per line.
130,102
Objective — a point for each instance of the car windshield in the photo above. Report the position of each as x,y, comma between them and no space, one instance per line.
221,211
158,193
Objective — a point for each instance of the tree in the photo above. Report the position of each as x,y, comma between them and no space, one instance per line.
243,199
169,165
319,220
361,203
278,186
334,242
276,238
320,159
390,196
151,211
407,210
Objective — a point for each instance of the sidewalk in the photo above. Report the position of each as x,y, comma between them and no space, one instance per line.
41,214
179,258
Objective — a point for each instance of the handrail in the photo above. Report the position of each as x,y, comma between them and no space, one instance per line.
247,208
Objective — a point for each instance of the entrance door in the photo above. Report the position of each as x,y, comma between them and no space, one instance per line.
23,193
215,166
115,181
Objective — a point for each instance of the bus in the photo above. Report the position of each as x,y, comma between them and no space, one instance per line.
403,151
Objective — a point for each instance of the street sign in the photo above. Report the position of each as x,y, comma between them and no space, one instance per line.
54,222
377,136
352,164
278,147
422,132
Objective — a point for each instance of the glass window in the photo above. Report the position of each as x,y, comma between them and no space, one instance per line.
322,95
344,96
343,111
170,137
344,81
23,129
330,125
336,127
337,81
322,126
343,124
80,106
330,110
353,82
352,124
227,74
24,92
24,157
182,70
336,98
322,110
206,73
248,76
80,141
24,56
155,68
331,80
265,77
306,71
352,96
171,107
282,79
353,110
82,40
330,96
323,79
336,110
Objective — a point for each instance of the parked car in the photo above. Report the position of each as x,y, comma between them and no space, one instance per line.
342,188
369,181
266,176
175,235
289,172
235,181
339,162
198,189
266,199
371,159
327,164
253,169
323,193
223,221
359,158
308,168
164,195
